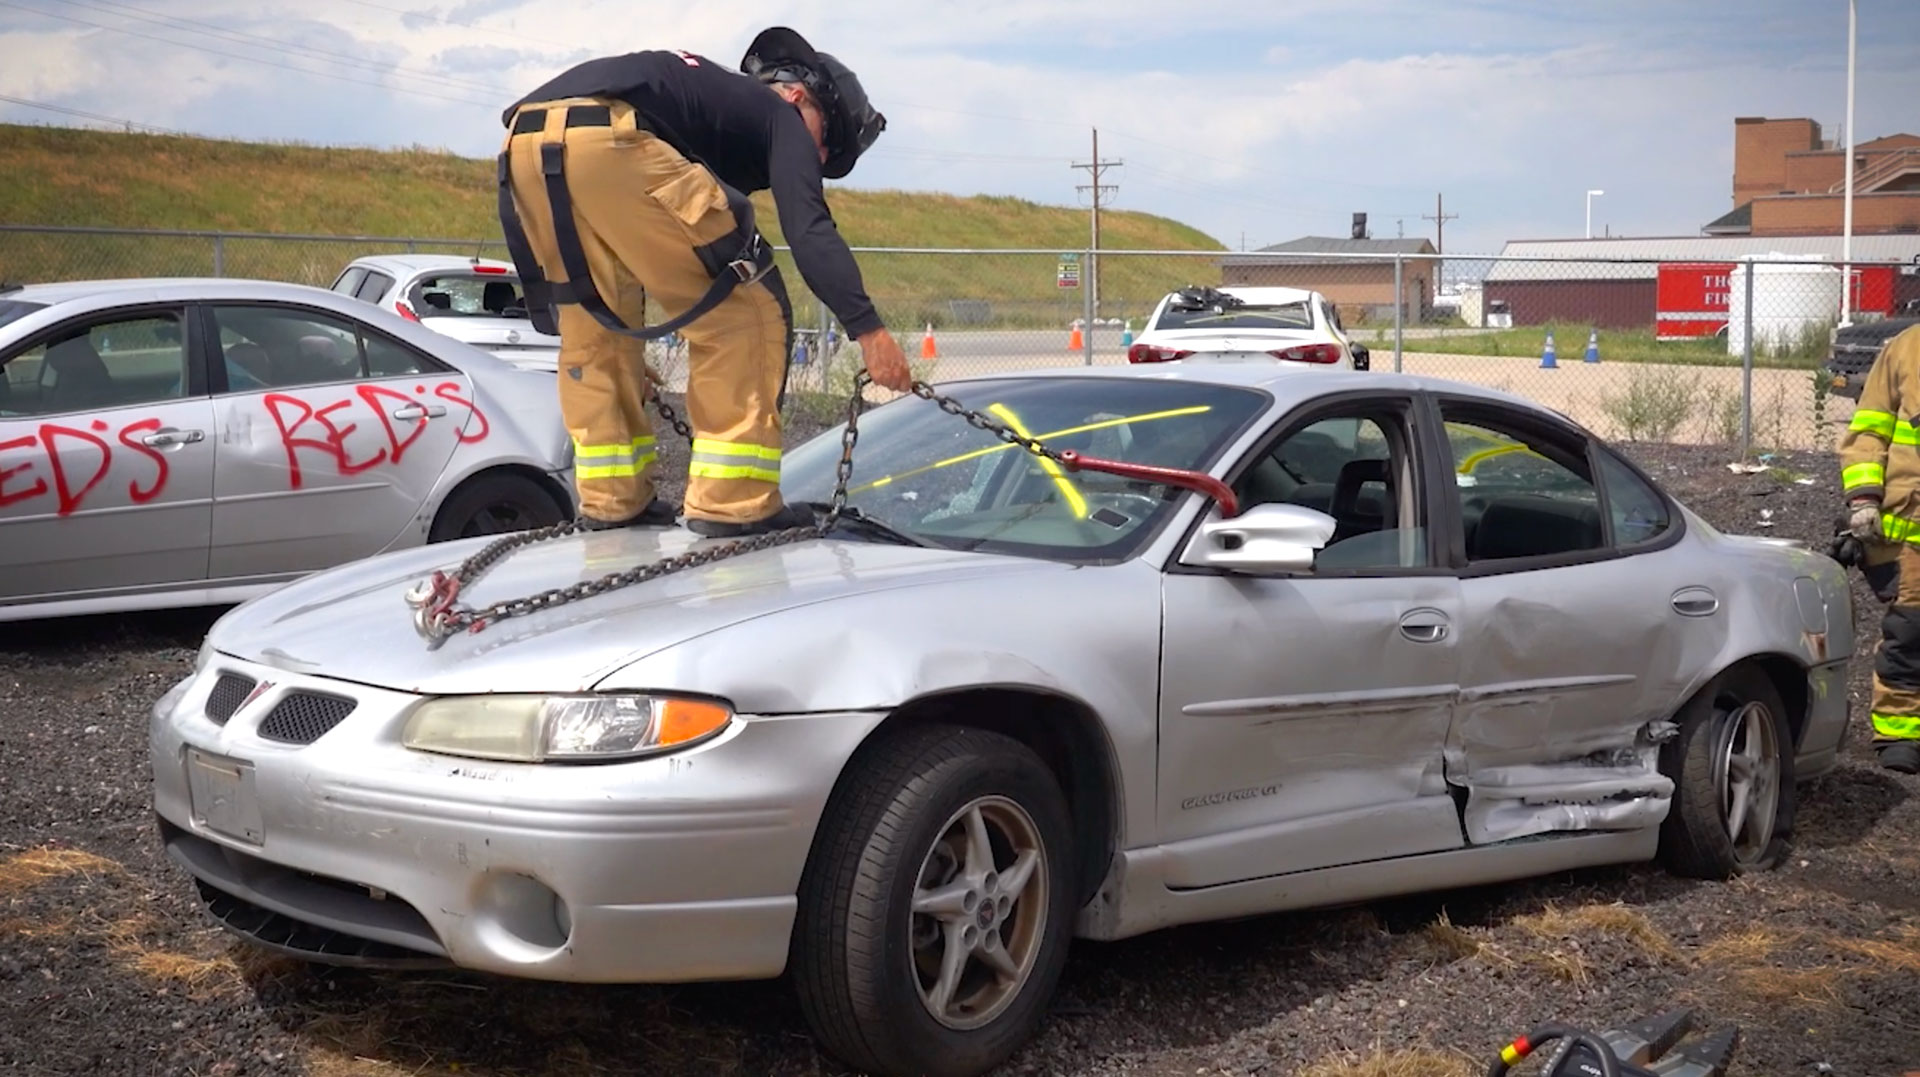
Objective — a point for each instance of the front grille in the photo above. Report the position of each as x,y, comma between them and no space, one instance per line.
304,717
228,693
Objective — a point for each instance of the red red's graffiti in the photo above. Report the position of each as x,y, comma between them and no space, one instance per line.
302,425
70,463
67,468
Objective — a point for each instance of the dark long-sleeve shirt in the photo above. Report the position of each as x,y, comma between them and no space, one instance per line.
750,138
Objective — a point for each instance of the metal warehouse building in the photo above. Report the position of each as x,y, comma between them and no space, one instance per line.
1624,294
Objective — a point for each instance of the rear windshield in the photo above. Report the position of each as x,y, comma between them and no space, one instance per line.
12,310
1245,316
465,294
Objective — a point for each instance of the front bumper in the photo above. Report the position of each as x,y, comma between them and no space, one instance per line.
353,849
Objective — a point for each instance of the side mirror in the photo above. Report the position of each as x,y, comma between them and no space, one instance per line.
1265,538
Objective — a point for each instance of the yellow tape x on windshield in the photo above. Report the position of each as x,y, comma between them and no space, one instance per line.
976,453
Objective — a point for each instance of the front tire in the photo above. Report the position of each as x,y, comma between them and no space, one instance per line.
1734,786
495,504
936,908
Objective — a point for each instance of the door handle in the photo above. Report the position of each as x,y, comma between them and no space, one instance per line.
420,411
1695,602
1424,626
174,437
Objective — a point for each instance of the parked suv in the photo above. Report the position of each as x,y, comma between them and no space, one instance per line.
474,300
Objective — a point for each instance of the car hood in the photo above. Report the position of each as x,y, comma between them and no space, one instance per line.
1875,332
352,622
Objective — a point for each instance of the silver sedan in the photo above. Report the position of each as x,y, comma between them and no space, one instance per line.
1368,635
175,442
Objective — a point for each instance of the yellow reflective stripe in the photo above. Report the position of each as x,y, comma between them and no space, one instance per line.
1899,530
975,454
1903,726
611,448
734,448
1067,490
731,471
1905,434
1868,474
1873,422
613,471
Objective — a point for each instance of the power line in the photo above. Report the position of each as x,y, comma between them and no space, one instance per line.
276,64
82,113
241,37
1439,218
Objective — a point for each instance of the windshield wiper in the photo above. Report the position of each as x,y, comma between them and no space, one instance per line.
852,515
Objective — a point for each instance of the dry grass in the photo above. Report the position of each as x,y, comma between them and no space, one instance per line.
1451,941
1401,1063
1820,986
1615,919
35,866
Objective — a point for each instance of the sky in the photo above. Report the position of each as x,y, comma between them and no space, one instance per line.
1256,122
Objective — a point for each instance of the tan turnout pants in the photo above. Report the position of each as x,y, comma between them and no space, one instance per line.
641,209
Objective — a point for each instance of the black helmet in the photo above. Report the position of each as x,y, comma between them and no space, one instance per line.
781,55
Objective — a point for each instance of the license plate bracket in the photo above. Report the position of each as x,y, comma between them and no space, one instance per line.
223,800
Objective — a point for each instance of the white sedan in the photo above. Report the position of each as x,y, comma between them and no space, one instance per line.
1268,324
475,300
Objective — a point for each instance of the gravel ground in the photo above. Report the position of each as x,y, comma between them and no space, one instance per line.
107,966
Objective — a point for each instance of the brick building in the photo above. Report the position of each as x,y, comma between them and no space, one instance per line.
1790,181
1361,288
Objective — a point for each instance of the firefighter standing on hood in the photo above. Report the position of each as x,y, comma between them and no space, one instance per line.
625,178
1880,473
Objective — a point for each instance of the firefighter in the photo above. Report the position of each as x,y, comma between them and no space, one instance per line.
626,178
1880,474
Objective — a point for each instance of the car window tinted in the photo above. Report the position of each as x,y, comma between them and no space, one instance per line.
276,348
940,478
471,295
349,281
1639,512
107,364
373,287
1521,495
1350,468
1249,316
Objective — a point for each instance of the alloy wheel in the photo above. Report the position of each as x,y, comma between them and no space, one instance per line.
979,912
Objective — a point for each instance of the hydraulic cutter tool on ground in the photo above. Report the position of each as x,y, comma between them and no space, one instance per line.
1650,1047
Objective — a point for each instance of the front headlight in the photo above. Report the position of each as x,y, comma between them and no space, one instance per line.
583,728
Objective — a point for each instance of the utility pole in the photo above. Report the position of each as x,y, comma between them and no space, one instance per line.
1440,218
1094,169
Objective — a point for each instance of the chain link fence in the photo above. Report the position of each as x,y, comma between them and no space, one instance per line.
1724,353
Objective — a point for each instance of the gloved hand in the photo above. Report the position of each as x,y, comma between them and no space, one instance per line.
1863,522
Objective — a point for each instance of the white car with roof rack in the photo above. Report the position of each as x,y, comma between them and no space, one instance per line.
478,301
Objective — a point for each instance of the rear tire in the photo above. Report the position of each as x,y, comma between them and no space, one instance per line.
969,824
495,504
1731,764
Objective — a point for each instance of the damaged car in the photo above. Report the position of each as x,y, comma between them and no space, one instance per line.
1253,639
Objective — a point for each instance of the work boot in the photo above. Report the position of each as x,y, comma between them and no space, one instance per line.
788,516
1903,756
657,514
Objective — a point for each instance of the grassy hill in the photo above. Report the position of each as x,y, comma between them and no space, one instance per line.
61,176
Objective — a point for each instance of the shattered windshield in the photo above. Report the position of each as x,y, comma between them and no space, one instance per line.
938,478
1209,308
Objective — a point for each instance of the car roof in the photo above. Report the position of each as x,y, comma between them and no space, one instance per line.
55,292
414,263
1265,293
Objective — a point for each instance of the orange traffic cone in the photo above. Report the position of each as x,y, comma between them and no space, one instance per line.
1074,343
927,348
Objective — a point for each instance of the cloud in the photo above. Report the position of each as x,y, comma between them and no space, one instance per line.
1272,119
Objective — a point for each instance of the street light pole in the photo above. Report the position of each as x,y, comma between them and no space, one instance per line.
1846,228
1590,195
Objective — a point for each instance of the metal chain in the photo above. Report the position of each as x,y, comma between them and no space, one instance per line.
432,600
